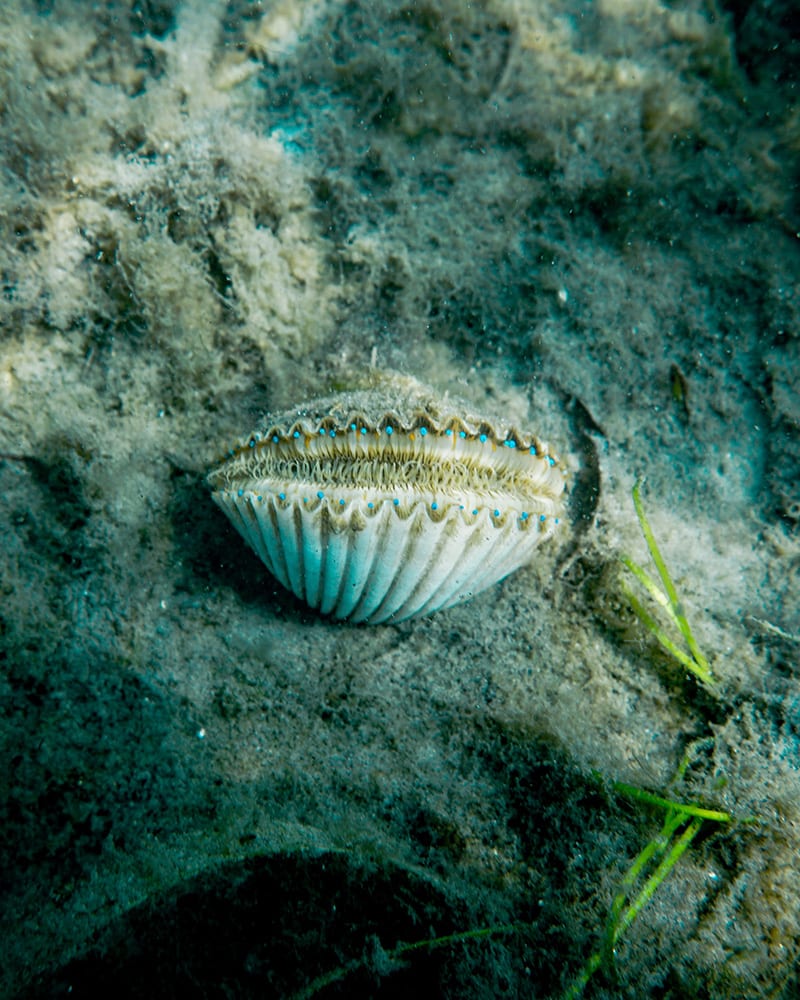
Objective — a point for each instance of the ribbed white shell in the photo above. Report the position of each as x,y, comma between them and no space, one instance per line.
378,515
387,563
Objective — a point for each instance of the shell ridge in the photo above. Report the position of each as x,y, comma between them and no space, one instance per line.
503,559
387,559
425,590
254,535
336,556
242,522
376,580
280,519
316,533
351,554
395,604
402,578
478,555
356,580
298,542
273,542
458,579
492,567
356,583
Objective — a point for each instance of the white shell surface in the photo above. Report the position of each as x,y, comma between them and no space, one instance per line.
376,516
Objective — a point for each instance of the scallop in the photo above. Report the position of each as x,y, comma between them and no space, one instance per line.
390,503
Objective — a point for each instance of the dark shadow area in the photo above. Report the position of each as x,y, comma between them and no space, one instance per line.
268,926
74,791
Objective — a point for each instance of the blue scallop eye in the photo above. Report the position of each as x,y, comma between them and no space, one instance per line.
434,506
524,515
320,495
281,496
483,439
396,502
296,434
423,431
449,432
390,431
363,430
462,434
252,442
322,431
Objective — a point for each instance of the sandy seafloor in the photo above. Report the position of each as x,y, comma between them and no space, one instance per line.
582,217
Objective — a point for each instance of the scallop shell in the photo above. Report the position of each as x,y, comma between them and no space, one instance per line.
388,504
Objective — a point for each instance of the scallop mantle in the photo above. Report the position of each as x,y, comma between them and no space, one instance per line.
380,506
